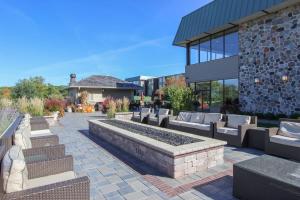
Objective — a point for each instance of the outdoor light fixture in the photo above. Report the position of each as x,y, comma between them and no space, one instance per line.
285,78
257,80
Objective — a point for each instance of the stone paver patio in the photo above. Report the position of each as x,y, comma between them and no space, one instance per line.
116,175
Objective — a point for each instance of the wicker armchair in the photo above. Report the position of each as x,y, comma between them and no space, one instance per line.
141,116
38,123
159,119
276,143
234,129
56,171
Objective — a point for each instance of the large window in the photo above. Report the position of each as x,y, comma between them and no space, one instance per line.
217,46
194,53
231,89
212,95
217,95
205,50
231,44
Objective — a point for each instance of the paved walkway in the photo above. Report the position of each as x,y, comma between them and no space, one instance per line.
116,175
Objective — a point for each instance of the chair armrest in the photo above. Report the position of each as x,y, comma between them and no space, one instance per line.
219,124
272,131
51,152
49,167
44,141
242,130
78,188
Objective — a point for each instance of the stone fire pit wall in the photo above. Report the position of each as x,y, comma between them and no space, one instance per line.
152,152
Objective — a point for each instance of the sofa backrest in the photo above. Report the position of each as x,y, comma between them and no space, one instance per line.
197,117
289,129
212,117
184,116
234,121
163,111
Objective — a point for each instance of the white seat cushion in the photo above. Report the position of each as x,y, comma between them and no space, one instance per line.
285,140
212,117
14,171
184,116
191,125
163,111
136,115
234,121
39,133
197,118
290,129
228,131
46,180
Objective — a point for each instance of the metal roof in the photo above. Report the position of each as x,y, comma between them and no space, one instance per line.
98,81
218,14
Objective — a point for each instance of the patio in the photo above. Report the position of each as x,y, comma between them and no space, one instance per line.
115,175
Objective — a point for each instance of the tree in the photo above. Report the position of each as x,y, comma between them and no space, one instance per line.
5,92
181,98
30,88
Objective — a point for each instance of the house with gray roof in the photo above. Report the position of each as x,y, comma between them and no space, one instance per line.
100,87
245,50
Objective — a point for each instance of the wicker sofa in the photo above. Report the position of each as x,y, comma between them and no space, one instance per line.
285,140
43,179
160,118
234,129
195,122
141,116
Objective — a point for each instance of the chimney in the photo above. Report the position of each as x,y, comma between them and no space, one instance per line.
72,79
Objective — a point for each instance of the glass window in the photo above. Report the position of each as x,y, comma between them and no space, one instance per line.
216,96
231,44
217,47
231,90
194,53
205,51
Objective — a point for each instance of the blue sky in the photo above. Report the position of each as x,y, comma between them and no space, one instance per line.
122,38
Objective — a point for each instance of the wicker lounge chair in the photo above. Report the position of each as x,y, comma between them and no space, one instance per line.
38,126
195,122
285,140
46,179
160,118
142,115
45,138
235,128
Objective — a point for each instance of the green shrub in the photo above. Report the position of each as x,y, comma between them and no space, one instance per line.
118,105
5,103
111,111
22,105
125,104
36,107
181,98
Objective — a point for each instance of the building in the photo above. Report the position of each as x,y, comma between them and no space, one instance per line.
244,49
151,84
141,81
100,87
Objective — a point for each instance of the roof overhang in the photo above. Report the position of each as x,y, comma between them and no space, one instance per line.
188,31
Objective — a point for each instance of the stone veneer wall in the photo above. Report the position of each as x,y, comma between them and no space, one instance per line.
269,49
175,167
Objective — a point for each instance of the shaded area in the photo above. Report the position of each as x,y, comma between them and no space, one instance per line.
217,189
136,164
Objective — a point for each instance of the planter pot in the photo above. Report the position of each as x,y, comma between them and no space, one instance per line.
52,119
69,109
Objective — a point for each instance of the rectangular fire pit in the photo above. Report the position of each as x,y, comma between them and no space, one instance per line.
172,152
